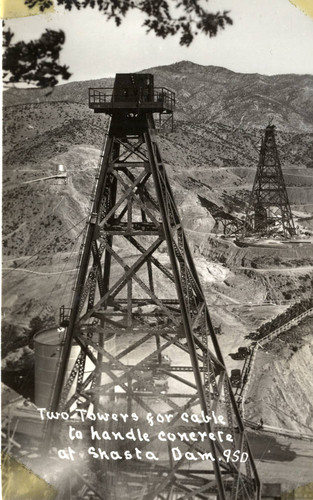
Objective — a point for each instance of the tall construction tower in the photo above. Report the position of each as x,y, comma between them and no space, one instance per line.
269,210
139,323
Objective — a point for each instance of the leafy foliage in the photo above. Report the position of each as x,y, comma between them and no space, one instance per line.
191,17
35,61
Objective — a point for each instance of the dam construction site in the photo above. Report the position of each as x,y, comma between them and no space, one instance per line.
157,313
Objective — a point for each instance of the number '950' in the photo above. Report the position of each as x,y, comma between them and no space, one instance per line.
235,456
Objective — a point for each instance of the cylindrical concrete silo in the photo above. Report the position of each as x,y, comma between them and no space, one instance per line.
47,345
61,169
61,174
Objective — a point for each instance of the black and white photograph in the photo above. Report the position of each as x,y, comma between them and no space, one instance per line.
157,250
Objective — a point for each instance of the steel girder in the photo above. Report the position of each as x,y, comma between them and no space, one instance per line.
136,265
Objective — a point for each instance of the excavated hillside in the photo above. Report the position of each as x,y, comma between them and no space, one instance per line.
282,386
211,158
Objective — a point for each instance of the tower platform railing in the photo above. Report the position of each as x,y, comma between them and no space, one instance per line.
156,100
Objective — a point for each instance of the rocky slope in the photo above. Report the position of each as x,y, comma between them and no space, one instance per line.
212,94
288,401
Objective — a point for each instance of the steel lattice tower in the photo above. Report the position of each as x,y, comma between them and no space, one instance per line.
134,244
269,210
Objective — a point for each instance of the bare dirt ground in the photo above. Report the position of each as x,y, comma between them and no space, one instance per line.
282,383
282,459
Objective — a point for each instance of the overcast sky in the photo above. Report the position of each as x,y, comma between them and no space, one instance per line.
268,36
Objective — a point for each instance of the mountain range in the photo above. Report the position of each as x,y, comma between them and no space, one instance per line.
209,94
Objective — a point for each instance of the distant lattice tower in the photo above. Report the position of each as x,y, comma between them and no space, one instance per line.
269,210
